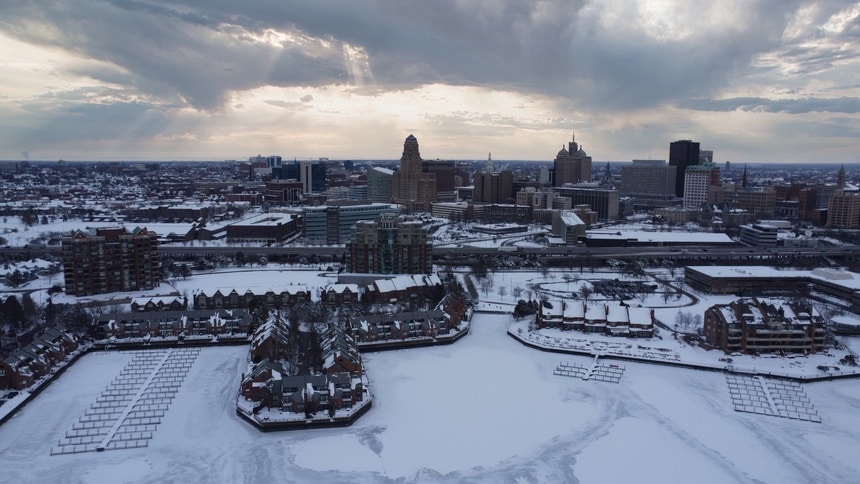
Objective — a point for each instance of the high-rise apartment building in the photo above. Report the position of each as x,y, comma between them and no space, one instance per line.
389,245
682,154
411,186
571,165
111,260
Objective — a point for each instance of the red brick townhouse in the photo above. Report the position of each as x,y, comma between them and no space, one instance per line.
159,303
339,294
171,324
340,352
269,384
385,327
281,297
26,365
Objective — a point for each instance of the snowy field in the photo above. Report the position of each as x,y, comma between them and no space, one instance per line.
485,409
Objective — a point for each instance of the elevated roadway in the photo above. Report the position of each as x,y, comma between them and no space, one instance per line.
698,252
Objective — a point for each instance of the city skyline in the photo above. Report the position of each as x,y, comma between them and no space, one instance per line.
765,81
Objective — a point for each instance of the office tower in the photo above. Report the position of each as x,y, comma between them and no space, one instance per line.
648,178
759,201
445,178
379,184
311,174
462,175
571,165
697,180
843,210
494,187
604,202
332,223
682,154
280,192
411,186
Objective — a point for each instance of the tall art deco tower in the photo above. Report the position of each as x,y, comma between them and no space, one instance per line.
411,185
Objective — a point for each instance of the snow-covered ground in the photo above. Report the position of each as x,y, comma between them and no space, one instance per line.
485,409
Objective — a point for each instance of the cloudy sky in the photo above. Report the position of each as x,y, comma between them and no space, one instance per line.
754,80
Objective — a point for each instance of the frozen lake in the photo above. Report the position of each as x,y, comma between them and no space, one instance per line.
485,409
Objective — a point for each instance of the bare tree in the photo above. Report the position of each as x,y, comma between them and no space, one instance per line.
567,278
586,291
685,318
544,270
517,292
486,285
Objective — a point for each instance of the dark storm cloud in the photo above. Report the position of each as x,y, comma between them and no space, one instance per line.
790,106
200,50
167,51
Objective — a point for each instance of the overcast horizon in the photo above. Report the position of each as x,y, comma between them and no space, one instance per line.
754,81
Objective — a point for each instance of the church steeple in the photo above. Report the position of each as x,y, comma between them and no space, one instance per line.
744,179
607,181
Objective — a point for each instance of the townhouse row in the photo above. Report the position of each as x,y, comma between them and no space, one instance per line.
36,360
271,381
610,319
173,324
395,289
